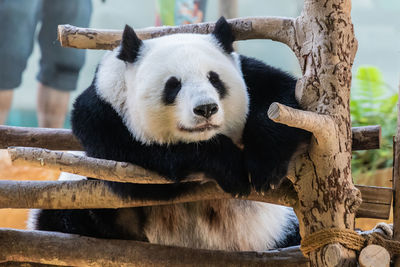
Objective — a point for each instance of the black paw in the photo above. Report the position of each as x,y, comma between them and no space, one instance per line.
235,182
266,177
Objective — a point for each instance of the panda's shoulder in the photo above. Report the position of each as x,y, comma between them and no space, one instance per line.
94,121
253,69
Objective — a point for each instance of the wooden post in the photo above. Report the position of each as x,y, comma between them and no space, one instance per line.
325,46
396,184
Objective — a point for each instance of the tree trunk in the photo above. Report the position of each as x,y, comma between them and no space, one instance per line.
325,46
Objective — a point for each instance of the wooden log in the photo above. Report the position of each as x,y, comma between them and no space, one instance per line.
109,170
74,250
366,137
274,28
25,264
86,194
374,256
376,202
63,139
57,139
334,255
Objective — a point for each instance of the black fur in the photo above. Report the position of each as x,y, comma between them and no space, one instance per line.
214,79
268,145
130,45
99,223
171,90
223,33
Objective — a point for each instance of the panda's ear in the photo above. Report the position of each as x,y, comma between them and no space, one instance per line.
130,45
223,33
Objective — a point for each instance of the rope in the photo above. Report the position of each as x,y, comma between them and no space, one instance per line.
347,238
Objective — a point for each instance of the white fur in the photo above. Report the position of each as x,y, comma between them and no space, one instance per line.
242,225
137,96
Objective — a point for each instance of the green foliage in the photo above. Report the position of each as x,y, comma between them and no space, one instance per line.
373,102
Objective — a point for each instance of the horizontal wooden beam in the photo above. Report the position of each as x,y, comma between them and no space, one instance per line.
50,138
95,194
273,28
366,137
85,194
102,169
376,202
74,250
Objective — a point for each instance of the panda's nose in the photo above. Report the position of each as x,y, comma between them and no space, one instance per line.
206,111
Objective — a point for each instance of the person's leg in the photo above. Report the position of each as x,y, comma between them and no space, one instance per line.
5,104
59,67
52,106
17,26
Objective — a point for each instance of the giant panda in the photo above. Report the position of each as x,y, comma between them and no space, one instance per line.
182,104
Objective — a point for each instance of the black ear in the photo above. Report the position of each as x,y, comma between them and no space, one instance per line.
223,33
130,45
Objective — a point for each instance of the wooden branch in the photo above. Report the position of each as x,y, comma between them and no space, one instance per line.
109,170
74,250
306,120
366,137
57,139
91,194
274,28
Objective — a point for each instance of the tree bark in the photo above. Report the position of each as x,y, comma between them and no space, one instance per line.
364,138
61,249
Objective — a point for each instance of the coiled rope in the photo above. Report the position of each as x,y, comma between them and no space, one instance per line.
349,239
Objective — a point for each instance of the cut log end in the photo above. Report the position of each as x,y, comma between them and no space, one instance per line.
273,111
374,256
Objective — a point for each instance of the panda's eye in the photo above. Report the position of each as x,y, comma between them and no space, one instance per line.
171,90
214,79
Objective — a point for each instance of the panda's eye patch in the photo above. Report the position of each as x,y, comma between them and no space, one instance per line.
171,90
214,79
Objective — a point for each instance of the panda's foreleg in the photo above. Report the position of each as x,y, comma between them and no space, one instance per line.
269,147
218,158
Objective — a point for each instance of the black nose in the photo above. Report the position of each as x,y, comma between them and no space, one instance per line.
206,111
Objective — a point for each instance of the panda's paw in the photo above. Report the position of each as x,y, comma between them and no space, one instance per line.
235,182
267,178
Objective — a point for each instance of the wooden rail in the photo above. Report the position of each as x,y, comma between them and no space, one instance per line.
367,137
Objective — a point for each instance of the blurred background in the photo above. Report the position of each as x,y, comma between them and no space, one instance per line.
376,71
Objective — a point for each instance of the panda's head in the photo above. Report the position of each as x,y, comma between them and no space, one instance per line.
176,88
